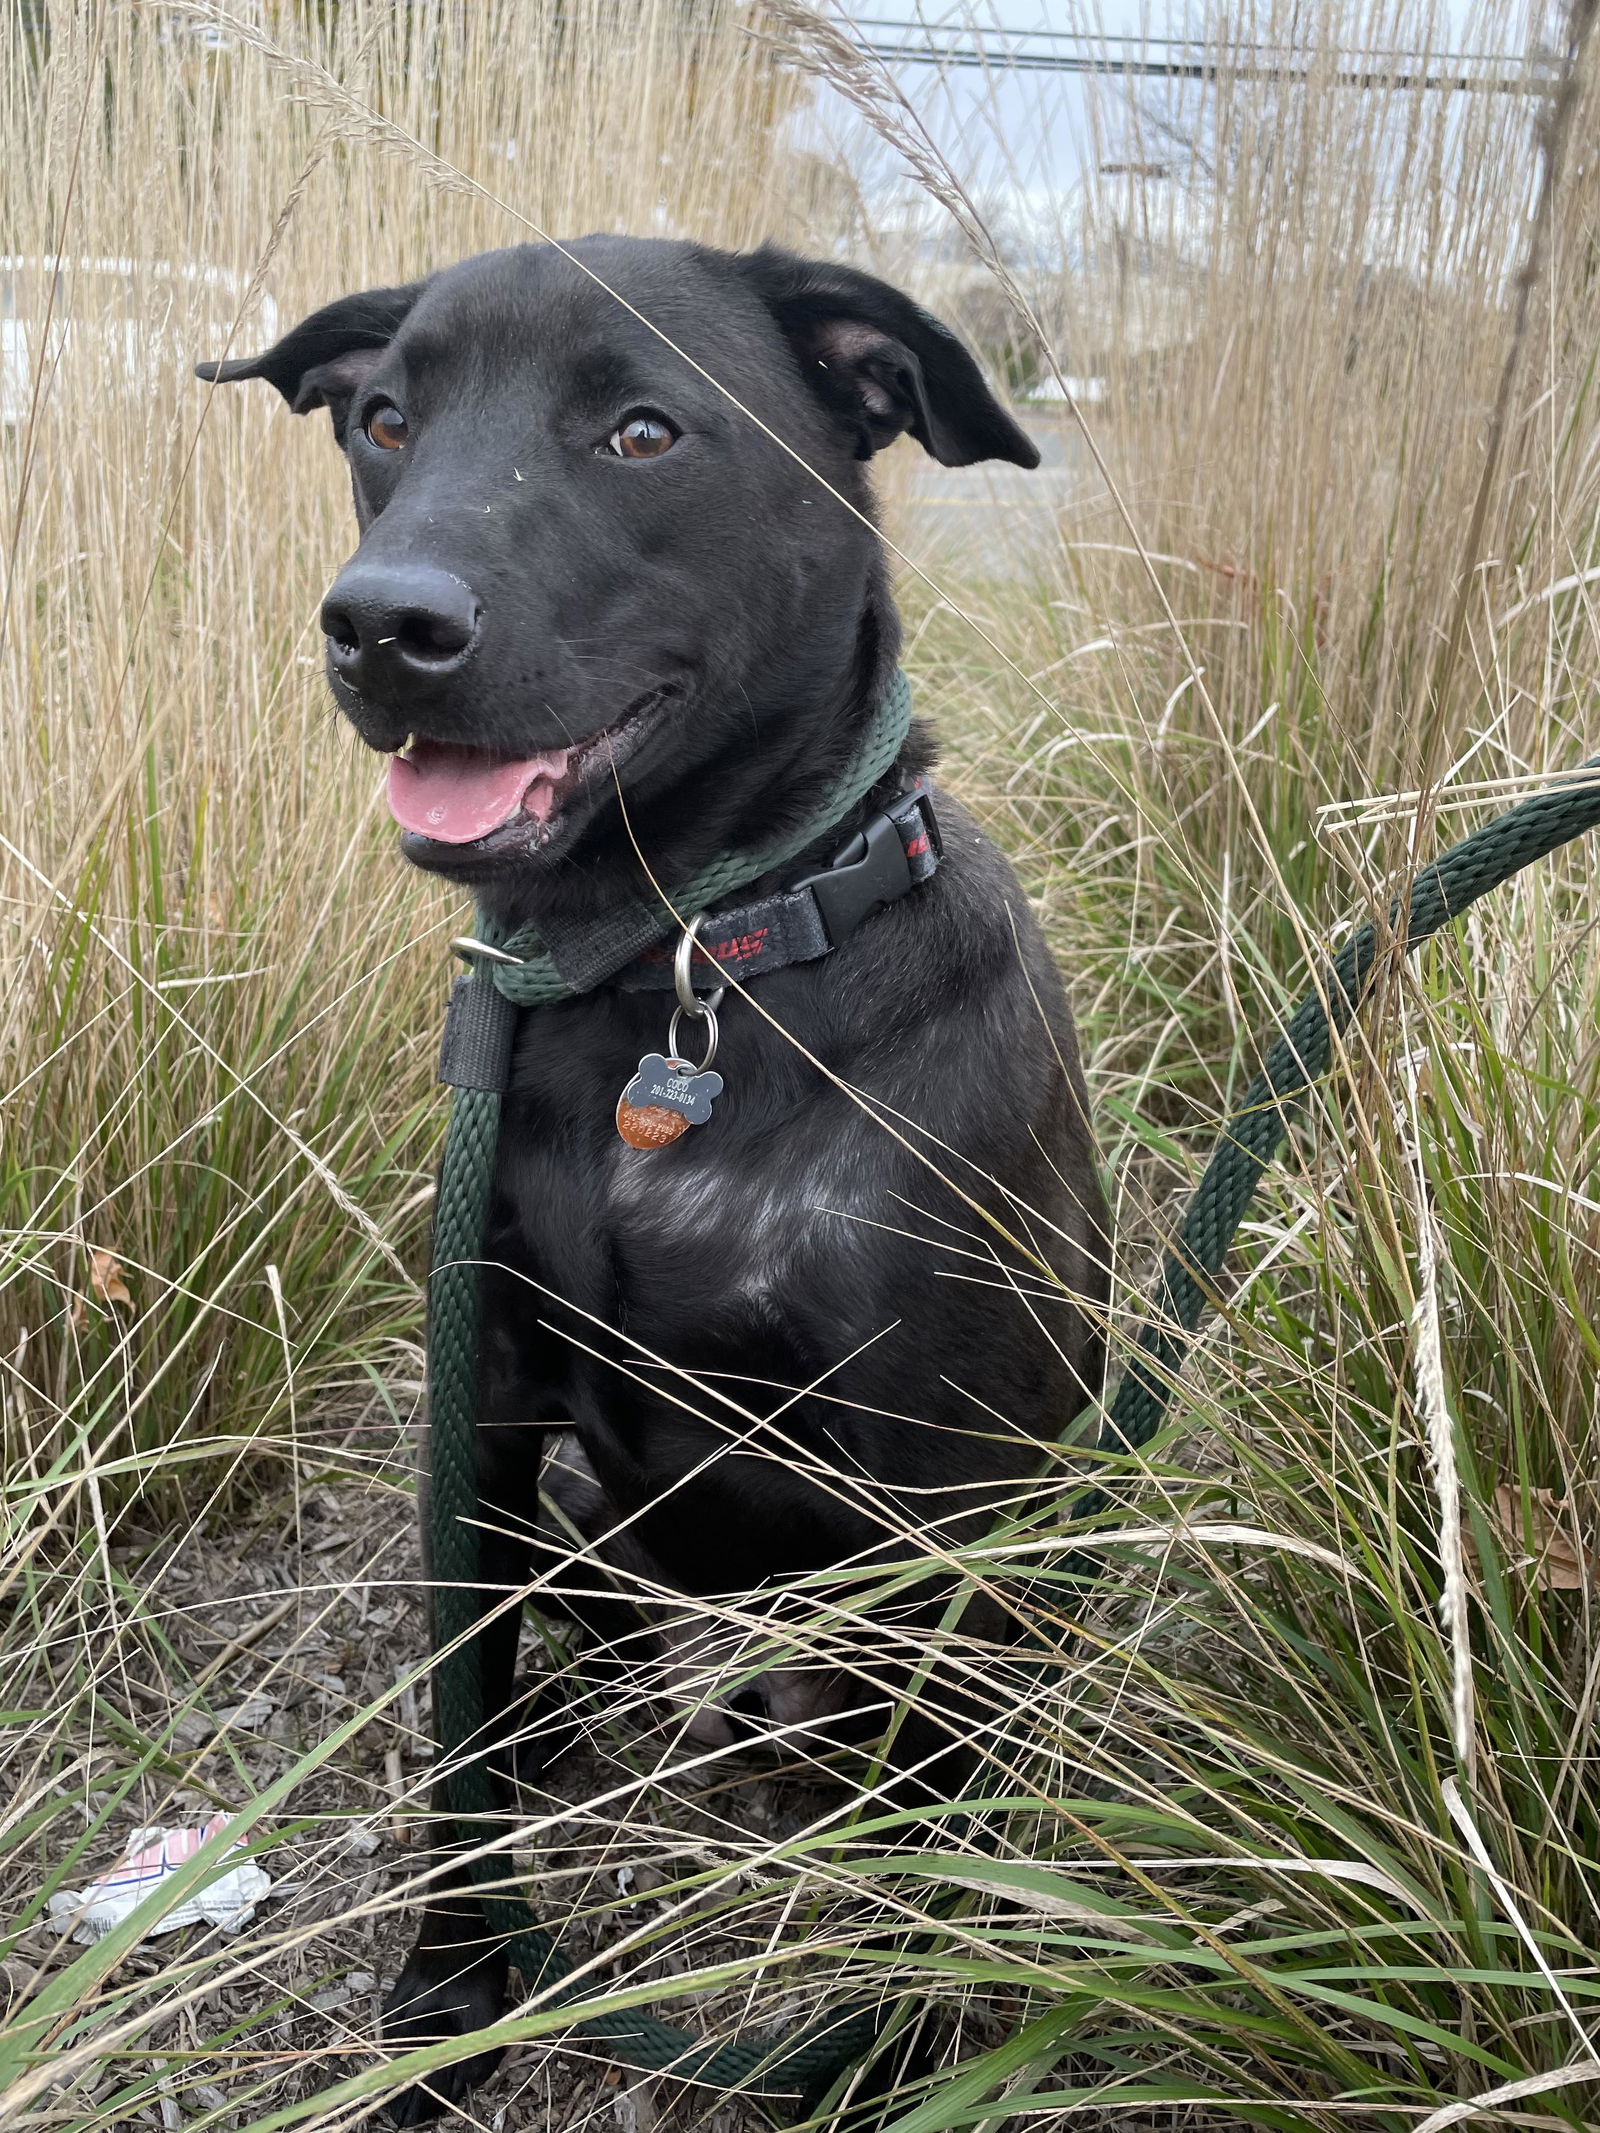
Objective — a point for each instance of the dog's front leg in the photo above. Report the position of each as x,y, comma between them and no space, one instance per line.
455,1978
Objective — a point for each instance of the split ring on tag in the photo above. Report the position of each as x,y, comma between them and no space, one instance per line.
708,1015
668,1095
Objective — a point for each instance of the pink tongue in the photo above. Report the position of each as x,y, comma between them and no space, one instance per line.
459,794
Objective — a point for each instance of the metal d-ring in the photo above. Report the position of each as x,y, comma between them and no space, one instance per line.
467,948
690,1001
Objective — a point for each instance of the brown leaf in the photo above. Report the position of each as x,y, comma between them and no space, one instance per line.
1536,1533
105,1278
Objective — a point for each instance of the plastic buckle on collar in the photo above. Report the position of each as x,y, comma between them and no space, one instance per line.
871,870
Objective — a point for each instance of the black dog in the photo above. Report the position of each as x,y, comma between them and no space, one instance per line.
607,608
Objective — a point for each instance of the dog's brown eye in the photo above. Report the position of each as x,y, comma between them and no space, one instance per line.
386,426
643,437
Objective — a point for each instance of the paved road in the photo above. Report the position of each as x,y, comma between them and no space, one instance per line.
992,516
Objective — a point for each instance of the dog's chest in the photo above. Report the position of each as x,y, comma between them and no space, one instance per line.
736,1209
728,1211
709,1198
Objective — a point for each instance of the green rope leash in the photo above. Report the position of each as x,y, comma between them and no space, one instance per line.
1249,1141
1253,1135
492,997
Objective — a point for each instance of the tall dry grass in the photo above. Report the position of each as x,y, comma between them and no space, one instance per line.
1303,1823
219,991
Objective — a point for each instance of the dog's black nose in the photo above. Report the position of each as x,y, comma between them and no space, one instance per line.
398,622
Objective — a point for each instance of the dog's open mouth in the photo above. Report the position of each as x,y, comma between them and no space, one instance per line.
455,794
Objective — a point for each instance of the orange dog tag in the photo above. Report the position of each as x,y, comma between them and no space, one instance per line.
649,1125
664,1099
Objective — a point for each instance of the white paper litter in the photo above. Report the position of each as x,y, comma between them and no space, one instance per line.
227,1900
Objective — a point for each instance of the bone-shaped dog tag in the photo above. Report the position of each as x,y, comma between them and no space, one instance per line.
665,1098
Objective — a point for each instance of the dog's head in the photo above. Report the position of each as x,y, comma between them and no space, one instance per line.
594,551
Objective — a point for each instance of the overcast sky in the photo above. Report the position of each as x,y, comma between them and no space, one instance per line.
1022,137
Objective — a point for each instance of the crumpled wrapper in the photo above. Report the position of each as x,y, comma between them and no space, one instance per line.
227,1900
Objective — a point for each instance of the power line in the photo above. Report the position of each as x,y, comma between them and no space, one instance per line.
1449,72
1141,41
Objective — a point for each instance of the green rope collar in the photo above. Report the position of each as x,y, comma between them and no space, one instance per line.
538,978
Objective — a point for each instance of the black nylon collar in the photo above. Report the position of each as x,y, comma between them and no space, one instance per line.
897,848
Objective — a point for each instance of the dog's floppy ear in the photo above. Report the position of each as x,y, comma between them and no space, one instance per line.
882,364
320,362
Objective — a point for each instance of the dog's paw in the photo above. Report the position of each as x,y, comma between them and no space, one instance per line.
548,1724
442,1993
